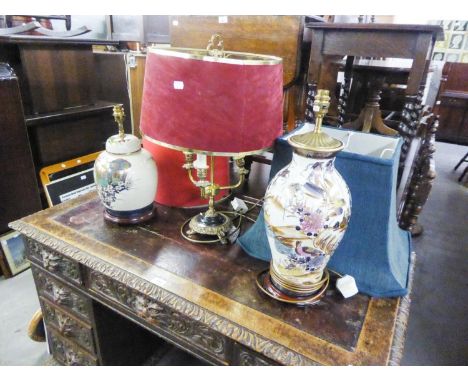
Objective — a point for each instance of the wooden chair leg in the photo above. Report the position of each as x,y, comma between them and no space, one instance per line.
460,179
461,161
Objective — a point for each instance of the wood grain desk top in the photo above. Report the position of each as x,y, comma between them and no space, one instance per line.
216,285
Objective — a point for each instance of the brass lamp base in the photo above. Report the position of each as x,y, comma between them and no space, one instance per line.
211,224
266,285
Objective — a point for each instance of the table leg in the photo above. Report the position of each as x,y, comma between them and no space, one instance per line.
345,89
370,117
309,110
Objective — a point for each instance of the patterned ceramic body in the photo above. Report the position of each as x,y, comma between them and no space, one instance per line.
126,183
307,208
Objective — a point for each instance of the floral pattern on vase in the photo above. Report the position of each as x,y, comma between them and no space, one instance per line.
307,208
112,178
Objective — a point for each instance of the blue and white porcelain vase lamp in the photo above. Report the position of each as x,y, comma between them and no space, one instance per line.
126,177
307,208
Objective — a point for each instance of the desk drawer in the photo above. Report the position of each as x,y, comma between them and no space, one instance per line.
67,353
243,356
54,262
190,334
61,295
68,326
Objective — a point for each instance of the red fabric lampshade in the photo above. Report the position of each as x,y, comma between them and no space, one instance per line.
223,105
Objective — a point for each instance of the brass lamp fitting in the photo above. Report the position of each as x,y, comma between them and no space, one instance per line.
119,117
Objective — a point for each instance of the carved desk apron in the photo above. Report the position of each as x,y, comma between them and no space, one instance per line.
200,298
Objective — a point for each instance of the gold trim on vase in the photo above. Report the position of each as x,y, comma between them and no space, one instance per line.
295,289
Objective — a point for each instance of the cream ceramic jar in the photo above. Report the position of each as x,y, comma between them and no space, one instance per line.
126,178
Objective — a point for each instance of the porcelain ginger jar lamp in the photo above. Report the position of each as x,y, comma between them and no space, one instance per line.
307,208
126,177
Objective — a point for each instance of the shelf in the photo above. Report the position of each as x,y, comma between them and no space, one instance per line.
31,39
80,111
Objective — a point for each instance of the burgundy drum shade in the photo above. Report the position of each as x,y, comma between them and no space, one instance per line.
223,105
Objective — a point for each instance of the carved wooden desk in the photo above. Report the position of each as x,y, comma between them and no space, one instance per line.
100,284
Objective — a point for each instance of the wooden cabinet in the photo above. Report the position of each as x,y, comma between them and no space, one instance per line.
452,104
65,96
19,193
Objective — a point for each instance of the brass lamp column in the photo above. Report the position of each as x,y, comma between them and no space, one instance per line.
211,222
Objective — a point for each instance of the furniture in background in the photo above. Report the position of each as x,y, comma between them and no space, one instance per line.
391,82
103,289
465,171
136,64
12,21
64,116
27,25
330,42
452,104
419,173
19,193
144,29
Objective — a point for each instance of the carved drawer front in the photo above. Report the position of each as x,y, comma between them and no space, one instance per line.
243,356
62,295
67,353
195,333
67,326
54,261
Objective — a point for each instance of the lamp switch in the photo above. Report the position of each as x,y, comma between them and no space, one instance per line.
347,286
239,205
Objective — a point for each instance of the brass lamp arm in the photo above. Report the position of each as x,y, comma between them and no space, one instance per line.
239,182
192,179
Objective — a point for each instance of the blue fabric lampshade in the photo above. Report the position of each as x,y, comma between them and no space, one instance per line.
374,250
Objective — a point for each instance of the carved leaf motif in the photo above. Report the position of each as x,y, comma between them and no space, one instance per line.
61,295
50,260
65,324
68,356
96,266
160,315
247,359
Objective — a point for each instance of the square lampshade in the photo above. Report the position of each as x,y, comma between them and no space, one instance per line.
222,105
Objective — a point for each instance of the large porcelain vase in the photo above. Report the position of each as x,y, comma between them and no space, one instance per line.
307,208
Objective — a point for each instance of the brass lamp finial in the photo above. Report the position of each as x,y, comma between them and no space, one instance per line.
215,46
317,140
320,107
119,117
